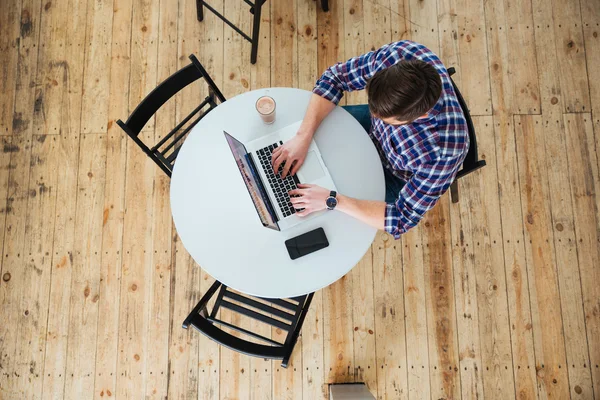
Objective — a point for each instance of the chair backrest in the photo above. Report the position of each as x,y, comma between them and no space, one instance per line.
163,153
285,314
472,161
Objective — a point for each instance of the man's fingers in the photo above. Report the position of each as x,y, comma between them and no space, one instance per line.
286,168
296,166
277,162
305,185
298,200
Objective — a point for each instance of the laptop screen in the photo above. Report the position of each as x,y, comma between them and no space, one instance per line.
253,182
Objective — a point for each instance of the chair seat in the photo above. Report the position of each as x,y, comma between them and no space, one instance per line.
235,343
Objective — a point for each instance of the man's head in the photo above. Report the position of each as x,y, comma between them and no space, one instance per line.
404,92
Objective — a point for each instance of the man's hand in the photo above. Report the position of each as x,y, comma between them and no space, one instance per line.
310,197
291,154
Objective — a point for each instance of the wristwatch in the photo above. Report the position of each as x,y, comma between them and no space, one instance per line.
331,201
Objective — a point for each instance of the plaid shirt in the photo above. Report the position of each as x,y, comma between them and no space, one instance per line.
427,153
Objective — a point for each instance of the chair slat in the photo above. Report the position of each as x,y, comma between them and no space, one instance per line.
182,123
282,303
261,306
244,331
257,316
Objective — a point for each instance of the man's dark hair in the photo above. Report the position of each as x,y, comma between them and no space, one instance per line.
405,91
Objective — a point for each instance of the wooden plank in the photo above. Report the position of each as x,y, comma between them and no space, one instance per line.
73,69
144,53
96,71
136,270
543,280
506,373
498,56
590,15
312,351
474,76
415,312
5,168
57,107
184,363
448,33
354,40
330,36
401,28
514,258
85,277
158,330
583,176
56,340
114,204
52,76
313,386
39,203
110,269
15,229
338,351
423,17
284,57
27,67
365,356
439,291
13,23
465,283
522,64
388,310
571,56
37,258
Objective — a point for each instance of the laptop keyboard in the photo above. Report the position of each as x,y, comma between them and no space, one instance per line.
280,187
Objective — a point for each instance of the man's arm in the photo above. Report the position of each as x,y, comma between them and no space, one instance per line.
312,198
368,211
341,77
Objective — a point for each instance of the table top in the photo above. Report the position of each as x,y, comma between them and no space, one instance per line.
215,217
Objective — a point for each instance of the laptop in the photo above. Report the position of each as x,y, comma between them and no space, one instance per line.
268,191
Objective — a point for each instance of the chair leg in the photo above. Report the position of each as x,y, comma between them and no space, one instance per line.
200,10
255,30
325,5
454,191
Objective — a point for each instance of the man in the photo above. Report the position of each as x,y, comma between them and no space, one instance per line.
414,120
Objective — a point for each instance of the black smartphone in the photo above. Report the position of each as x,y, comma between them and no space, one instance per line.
306,243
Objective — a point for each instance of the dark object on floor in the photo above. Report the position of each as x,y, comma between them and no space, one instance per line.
472,162
285,314
255,10
165,151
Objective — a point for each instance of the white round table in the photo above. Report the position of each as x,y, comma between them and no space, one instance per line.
215,217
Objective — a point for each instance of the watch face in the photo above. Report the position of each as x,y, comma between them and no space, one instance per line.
331,202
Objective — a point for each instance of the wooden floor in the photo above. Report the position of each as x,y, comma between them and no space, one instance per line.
497,296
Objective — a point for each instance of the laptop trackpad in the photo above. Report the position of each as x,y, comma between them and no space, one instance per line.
311,170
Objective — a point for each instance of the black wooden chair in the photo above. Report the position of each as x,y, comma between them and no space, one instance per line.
285,314
472,162
165,152
255,10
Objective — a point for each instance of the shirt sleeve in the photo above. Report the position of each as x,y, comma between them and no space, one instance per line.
420,194
354,73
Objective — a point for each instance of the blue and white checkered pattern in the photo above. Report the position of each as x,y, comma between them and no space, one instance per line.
427,153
